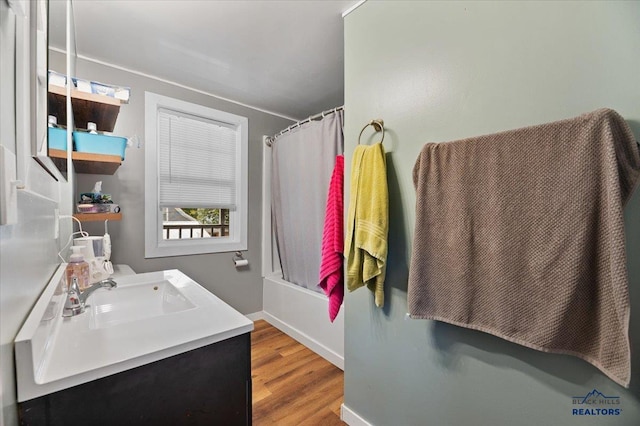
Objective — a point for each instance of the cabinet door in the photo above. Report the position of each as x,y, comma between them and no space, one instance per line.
205,386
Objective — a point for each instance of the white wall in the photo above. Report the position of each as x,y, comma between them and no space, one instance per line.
438,71
28,246
28,258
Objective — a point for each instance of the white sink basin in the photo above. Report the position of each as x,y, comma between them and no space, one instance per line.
134,302
146,318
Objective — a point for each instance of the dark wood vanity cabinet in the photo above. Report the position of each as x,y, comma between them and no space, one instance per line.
206,386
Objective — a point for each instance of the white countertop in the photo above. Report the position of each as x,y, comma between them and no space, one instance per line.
55,353
121,271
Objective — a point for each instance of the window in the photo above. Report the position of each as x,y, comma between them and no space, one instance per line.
195,178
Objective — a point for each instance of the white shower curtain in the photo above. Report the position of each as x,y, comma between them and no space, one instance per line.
302,163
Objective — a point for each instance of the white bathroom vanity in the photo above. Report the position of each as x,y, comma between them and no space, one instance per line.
157,349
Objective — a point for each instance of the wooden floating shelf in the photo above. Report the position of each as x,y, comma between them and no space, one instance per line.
100,109
95,217
77,94
84,162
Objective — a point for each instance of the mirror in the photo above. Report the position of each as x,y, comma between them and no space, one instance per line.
58,70
36,83
8,104
39,21
48,32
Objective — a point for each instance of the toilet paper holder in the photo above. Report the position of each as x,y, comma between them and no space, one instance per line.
239,260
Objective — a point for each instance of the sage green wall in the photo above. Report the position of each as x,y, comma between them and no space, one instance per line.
438,71
242,289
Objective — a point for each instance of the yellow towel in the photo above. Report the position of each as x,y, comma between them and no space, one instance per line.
368,221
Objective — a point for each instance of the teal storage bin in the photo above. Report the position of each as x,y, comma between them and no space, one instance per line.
99,144
57,138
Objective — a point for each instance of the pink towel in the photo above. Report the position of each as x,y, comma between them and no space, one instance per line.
331,265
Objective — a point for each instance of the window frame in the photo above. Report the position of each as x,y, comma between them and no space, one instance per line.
155,245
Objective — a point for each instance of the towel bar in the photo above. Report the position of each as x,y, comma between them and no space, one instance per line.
378,125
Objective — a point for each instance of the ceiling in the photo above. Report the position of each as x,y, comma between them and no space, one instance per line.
285,57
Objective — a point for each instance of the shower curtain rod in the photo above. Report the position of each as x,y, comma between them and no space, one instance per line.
269,140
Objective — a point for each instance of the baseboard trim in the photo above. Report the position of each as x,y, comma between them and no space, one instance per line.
256,316
303,338
352,418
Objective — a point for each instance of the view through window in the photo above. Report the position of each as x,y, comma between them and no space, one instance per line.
186,223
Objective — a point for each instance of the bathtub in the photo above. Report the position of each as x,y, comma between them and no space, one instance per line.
303,315
296,311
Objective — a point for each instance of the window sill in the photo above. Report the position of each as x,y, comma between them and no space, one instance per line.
190,247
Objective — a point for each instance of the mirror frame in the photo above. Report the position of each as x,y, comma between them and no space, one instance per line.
32,90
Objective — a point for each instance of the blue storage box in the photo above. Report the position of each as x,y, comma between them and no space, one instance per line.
99,144
57,138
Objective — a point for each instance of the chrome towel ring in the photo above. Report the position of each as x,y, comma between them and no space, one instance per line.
378,125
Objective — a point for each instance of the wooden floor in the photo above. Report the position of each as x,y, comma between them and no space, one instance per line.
292,385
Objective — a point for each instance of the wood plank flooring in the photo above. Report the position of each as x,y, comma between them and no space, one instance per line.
292,385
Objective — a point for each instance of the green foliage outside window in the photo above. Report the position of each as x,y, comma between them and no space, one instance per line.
208,216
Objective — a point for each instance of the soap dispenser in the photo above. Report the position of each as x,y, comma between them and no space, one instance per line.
78,268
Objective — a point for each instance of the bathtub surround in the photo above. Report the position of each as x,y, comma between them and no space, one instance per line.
241,288
446,71
521,234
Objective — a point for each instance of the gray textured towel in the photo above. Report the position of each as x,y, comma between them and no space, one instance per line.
521,234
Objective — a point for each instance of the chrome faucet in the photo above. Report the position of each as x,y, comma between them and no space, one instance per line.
76,299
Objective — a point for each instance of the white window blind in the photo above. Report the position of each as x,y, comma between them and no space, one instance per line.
197,161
